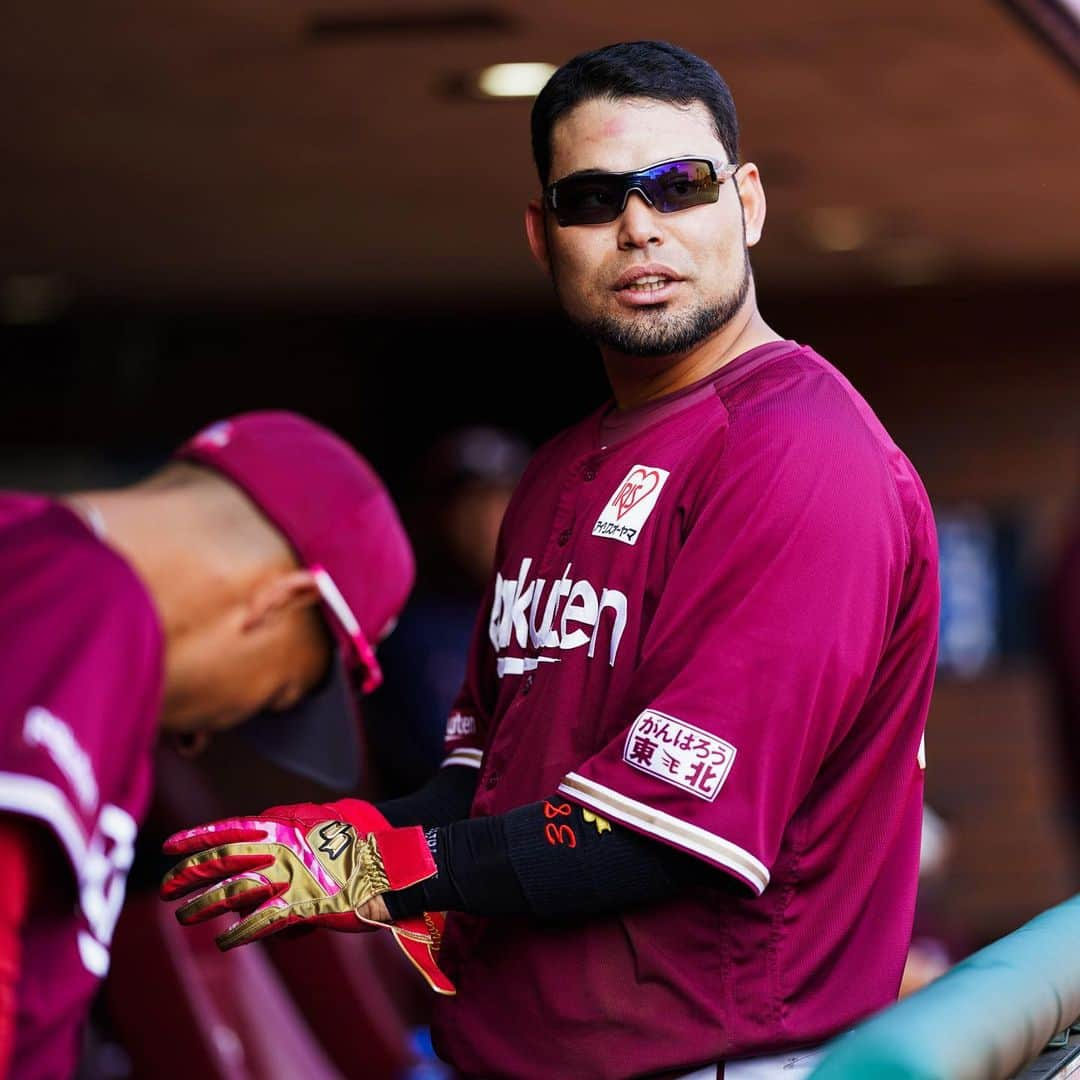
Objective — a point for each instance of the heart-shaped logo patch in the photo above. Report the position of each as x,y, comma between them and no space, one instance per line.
626,512
640,484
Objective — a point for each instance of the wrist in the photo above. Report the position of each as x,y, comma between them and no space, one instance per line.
375,910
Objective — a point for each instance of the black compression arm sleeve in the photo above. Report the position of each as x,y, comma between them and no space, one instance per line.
549,859
446,797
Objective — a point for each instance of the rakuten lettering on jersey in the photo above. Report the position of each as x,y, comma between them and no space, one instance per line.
557,614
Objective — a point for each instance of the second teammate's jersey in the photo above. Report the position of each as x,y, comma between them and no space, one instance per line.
79,699
718,630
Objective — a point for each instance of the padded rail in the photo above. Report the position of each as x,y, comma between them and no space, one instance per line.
985,1019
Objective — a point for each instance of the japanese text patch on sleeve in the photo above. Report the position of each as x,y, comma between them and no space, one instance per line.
679,753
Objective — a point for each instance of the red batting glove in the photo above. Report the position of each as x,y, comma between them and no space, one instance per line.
304,865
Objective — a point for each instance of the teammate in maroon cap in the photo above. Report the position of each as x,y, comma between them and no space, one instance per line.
677,830
253,574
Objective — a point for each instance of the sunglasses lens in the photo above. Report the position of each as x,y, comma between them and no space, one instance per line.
678,185
589,200
672,186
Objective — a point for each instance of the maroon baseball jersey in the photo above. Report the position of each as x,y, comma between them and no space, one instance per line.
714,621
79,702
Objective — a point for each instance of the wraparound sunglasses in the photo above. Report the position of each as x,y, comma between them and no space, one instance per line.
594,198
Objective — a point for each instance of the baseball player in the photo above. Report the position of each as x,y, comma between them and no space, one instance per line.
252,575
677,826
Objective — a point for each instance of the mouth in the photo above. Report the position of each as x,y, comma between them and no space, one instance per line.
648,284
645,285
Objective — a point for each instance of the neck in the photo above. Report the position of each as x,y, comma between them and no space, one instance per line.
637,380
143,536
172,541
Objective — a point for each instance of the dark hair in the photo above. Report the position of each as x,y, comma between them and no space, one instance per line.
645,69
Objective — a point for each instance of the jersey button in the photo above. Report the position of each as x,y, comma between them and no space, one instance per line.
564,538
589,473
491,780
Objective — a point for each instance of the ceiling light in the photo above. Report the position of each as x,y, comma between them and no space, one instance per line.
513,81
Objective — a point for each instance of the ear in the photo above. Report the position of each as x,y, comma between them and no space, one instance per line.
291,591
752,197
189,744
536,231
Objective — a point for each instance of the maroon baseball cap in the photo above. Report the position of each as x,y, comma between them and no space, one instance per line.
331,506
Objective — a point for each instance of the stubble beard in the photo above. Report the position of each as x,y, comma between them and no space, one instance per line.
654,331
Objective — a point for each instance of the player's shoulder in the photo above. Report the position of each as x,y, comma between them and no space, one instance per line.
801,401
50,560
800,417
80,636
83,651
795,393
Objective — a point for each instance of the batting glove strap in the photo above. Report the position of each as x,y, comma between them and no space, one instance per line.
307,864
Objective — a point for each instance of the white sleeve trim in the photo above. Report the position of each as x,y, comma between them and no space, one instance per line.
464,755
681,834
39,799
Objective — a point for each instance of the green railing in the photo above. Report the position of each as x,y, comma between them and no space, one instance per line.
987,1018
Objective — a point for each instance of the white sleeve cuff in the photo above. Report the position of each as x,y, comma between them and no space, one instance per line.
671,830
464,755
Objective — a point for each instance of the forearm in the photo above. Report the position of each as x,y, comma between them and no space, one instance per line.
549,860
445,798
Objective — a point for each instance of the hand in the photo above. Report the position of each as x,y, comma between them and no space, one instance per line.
316,864
376,911
305,866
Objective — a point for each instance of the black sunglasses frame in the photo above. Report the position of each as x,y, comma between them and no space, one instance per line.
638,180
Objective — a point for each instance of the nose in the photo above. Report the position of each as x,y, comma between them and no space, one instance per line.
638,224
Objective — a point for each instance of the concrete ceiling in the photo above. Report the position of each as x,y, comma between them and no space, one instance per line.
212,153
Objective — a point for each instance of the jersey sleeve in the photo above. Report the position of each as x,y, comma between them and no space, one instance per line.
82,661
470,715
766,637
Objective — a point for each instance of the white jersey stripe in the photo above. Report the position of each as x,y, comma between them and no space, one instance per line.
464,756
39,799
679,833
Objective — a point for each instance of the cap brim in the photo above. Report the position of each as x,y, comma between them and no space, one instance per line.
318,737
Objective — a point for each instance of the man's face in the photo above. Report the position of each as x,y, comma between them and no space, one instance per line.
699,270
